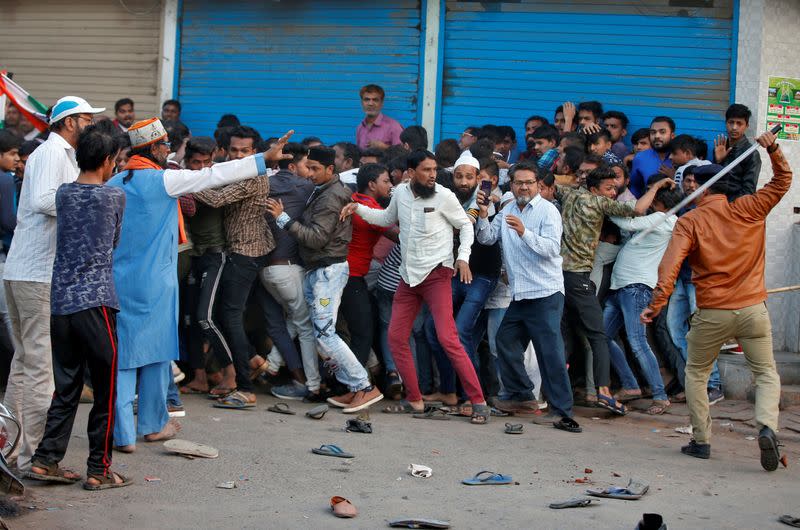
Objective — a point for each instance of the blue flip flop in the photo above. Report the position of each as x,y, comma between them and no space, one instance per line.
487,478
332,450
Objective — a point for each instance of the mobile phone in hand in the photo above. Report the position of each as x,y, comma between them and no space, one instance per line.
486,188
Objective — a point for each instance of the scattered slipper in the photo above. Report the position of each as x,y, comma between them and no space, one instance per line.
53,474
572,503
403,407
432,413
332,450
235,401
187,448
281,408
419,523
611,404
514,428
420,471
567,424
359,425
318,412
499,413
107,482
343,508
790,520
487,478
635,490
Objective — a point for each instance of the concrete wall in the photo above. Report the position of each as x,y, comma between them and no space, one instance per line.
767,46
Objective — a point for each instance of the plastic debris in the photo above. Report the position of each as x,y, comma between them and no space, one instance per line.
420,471
228,485
750,438
587,470
151,478
684,430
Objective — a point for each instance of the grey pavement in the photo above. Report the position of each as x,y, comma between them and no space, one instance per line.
281,484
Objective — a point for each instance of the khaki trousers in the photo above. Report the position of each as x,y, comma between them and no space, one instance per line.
710,329
30,383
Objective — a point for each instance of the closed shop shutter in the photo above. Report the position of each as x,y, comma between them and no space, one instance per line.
505,61
282,65
96,49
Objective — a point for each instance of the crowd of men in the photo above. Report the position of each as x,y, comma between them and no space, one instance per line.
483,278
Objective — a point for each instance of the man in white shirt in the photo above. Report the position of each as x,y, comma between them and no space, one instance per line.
427,213
29,270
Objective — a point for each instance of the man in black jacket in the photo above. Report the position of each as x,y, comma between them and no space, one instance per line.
742,179
323,243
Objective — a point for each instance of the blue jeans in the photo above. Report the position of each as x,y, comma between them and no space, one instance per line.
469,299
537,321
682,305
322,289
623,308
173,396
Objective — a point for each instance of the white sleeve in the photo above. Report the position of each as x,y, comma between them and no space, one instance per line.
179,182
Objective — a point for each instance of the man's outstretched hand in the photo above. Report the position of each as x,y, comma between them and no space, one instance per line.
275,153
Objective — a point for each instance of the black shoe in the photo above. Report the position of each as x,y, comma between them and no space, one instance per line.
651,521
316,397
697,450
394,385
715,395
768,443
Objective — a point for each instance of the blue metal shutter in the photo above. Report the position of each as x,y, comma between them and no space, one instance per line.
282,65
506,61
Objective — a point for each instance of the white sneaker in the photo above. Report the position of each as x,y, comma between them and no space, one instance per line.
177,375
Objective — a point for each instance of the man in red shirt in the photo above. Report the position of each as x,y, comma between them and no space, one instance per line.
374,190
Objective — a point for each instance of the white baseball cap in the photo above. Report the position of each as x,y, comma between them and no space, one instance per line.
70,105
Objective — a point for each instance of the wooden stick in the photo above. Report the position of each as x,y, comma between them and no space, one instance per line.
783,289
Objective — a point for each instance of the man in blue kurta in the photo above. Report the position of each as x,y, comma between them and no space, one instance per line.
144,274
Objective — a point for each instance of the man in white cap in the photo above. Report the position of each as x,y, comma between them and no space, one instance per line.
144,273
29,270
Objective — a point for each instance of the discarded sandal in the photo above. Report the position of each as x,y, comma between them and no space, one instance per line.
790,520
358,425
403,407
343,508
332,450
419,523
187,448
487,478
318,412
635,490
514,428
432,413
577,502
281,408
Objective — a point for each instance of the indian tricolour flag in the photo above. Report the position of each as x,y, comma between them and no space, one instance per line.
27,105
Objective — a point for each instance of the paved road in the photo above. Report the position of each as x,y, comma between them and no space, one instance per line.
280,484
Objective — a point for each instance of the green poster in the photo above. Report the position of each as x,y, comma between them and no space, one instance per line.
783,106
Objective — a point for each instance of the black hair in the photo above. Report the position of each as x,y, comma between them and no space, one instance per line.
9,141
228,120
372,151
684,142
308,140
144,152
595,137
701,148
415,136
473,130
640,134
398,162
199,144
665,119
176,132
174,103
445,178
95,146
669,197
30,146
223,136
592,158
521,166
369,173
595,107
575,139
720,186
490,132
394,151
350,151
447,152
615,114
483,148
546,177
122,102
560,108
297,150
419,156
573,157
547,132
489,165
244,132
626,173
507,131
737,110
536,117
598,175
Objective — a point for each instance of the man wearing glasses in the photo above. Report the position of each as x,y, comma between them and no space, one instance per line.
29,270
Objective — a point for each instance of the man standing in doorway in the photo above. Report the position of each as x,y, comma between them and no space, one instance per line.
376,129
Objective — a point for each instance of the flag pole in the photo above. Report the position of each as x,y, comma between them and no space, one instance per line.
699,191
